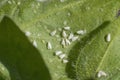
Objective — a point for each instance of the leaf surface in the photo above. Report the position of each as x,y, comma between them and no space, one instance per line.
100,55
41,18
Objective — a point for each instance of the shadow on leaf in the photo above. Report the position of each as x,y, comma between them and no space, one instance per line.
17,54
75,51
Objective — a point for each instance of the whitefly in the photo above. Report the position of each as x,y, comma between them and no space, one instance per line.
49,45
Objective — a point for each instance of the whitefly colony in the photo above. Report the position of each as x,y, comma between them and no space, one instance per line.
66,39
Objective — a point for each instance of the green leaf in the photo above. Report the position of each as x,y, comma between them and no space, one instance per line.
98,54
79,46
41,18
17,54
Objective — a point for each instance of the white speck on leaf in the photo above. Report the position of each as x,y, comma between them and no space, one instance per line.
67,42
34,43
57,53
18,3
62,56
75,38
62,0
64,34
43,41
42,0
108,37
27,33
53,33
49,46
71,36
63,42
67,28
3,68
68,14
38,35
38,4
101,73
81,32
65,22
57,36
60,29
65,61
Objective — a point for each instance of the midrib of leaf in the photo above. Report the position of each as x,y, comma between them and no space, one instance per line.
106,52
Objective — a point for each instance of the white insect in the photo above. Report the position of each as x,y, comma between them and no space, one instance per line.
63,42
57,53
49,46
81,32
65,61
71,36
34,43
67,42
27,33
67,28
75,38
101,73
62,56
53,33
108,37
64,34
